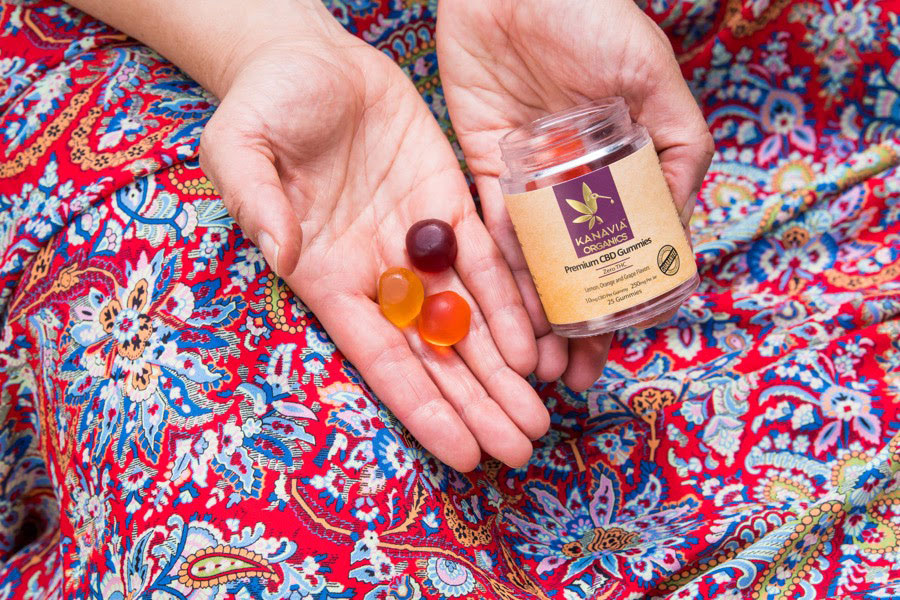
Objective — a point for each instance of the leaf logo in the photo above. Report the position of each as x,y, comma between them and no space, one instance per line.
588,208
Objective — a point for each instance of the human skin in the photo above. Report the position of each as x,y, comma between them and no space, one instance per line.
325,154
507,62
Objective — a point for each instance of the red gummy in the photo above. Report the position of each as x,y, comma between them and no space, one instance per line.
445,319
570,174
563,145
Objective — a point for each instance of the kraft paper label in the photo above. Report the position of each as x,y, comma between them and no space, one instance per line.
603,242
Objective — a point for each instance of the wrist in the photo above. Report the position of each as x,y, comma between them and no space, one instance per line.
301,26
210,39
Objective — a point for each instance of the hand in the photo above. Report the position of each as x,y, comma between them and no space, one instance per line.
507,62
325,154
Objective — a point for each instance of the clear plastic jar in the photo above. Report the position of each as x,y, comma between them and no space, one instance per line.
595,218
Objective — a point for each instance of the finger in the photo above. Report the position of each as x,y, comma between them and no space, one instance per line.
494,431
500,226
508,389
553,353
676,124
245,176
498,223
684,168
587,358
669,314
383,357
487,277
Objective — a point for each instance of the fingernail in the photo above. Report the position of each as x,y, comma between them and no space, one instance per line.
270,250
688,209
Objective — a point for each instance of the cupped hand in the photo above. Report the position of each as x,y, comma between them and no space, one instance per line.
325,155
507,62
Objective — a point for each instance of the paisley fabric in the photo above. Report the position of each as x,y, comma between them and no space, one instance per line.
175,424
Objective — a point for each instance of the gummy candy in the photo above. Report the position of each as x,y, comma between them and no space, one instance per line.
444,319
400,295
431,245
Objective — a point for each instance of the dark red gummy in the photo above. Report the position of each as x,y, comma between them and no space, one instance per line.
431,245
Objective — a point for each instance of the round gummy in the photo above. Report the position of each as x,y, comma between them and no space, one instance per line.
400,295
444,319
431,245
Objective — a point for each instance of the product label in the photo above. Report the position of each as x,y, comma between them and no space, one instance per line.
593,212
603,242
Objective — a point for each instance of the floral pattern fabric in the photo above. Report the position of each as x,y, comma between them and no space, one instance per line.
175,424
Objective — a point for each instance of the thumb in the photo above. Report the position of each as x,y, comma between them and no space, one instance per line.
245,176
684,167
676,124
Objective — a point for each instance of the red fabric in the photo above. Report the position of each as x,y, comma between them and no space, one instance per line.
177,425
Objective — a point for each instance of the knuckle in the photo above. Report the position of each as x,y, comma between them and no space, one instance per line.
495,377
503,306
522,274
484,266
235,205
475,408
433,411
498,224
707,151
487,273
208,136
703,133
709,146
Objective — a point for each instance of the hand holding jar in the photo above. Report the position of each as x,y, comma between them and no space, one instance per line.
505,63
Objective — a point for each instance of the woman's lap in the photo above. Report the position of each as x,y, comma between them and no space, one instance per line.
175,422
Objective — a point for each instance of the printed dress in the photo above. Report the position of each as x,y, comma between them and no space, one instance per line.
175,424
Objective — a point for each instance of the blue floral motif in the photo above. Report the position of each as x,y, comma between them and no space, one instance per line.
130,364
449,578
598,525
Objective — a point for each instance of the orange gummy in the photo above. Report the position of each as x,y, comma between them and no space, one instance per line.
400,295
444,319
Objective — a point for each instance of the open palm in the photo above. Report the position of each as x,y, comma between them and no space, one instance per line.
325,155
507,62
